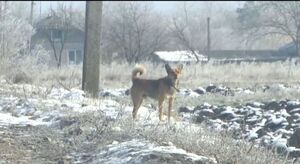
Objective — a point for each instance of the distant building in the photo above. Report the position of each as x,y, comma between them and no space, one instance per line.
52,32
177,57
288,49
227,56
223,56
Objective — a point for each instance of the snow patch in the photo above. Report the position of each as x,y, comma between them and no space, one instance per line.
182,56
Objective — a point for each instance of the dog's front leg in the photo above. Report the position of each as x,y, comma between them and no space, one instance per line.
160,106
171,100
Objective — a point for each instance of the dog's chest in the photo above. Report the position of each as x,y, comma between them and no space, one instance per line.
171,91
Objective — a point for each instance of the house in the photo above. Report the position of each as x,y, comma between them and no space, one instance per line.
289,49
64,41
177,57
227,56
220,56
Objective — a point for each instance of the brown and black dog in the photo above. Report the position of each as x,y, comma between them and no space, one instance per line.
159,89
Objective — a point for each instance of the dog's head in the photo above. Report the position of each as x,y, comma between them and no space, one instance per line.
173,73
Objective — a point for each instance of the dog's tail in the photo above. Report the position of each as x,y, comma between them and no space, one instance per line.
137,69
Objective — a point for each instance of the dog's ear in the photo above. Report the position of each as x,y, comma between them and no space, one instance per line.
168,68
180,67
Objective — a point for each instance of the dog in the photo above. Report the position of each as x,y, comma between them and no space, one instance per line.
159,89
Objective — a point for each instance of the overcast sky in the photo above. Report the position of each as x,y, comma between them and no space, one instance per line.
161,6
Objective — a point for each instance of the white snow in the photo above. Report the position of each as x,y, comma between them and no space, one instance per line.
8,119
257,104
296,110
137,151
179,56
282,112
73,94
208,110
17,111
279,142
188,92
277,121
261,123
206,104
193,94
113,92
252,134
293,103
229,110
291,149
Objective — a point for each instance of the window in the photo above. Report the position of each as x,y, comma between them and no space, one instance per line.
75,57
56,35
72,57
79,57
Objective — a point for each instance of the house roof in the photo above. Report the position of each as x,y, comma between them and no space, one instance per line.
289,48
179,56
243,54
53,22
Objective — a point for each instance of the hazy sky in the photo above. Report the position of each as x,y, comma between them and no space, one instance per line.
161,6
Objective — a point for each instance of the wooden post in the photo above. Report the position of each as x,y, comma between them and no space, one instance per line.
31,12
208,40
31,23
40,10
91,59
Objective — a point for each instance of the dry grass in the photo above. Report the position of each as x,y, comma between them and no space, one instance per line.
245,74
93,130
224,148
119,75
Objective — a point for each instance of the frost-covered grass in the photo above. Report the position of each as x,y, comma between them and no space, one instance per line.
75,128
101,122
245,74
194,139
116,75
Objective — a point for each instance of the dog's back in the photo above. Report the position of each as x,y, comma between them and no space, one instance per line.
143,87
157,89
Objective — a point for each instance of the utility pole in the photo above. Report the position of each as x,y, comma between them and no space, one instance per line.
91,59
31,12
1,34
40,10
3,8
31,23
208,39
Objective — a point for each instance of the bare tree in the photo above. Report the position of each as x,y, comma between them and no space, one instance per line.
19,31
134,30
189,29
31,12
56,31
189,26
263,19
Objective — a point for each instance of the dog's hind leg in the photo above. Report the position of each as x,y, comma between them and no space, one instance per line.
171,100
137,102
160,106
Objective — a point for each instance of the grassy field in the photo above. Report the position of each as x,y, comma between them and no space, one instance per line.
243,75
117,75
224,149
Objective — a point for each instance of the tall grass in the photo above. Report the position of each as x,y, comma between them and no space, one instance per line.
119,75
231,74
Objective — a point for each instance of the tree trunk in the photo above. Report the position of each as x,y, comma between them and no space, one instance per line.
91,60
31,23
31,12
208,39
297,41
297,48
